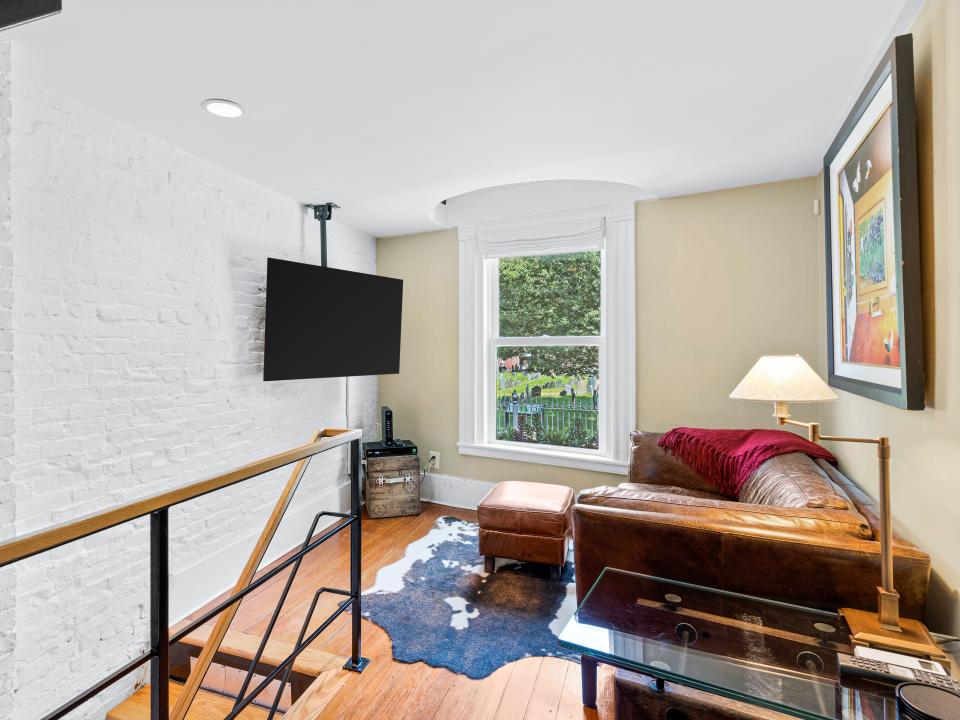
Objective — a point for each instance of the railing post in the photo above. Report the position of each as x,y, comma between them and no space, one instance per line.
159,616
356,662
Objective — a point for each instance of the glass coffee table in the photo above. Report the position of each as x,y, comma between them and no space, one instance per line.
776,655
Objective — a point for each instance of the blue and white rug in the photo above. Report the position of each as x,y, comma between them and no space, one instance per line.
440,607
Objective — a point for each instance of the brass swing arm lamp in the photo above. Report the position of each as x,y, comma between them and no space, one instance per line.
783,379
888,599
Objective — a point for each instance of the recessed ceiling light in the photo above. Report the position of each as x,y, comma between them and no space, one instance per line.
222,108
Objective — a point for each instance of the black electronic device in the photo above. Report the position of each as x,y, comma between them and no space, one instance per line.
917,701
380,449
325,322
926,672
386,425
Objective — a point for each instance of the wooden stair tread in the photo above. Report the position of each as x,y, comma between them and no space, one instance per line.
240,644
206,706
317,696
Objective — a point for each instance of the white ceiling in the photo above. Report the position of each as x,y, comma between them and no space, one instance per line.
388,107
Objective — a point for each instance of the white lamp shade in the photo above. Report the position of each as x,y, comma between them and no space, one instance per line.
783,378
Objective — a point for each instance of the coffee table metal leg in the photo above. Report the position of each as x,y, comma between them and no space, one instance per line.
588,681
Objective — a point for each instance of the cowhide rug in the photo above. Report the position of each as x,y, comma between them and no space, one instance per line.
440,607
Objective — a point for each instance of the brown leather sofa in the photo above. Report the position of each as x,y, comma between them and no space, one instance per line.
799,532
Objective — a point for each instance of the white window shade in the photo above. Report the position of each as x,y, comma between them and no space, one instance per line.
495,240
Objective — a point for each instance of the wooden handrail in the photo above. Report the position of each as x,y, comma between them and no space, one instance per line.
24,546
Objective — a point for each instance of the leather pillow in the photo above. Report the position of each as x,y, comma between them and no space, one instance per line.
793,480
651,465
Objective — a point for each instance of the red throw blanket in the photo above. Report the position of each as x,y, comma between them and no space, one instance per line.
726,458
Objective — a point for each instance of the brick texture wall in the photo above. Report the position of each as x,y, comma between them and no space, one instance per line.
138,304
7,518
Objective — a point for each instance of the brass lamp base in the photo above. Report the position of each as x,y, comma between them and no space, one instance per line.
913,638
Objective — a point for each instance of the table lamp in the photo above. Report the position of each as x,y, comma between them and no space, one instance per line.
782,379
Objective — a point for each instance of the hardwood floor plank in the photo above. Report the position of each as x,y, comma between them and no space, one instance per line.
516,695
546,692
487,699
571,700
457,703
431,687
389,688
377,648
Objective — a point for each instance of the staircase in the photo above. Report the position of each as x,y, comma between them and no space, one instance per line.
238,648
211,706
206,706
312,667
313,675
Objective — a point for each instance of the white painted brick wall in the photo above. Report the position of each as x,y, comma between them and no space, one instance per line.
7,518
138,320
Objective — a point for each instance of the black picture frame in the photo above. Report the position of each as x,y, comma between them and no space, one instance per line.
897,63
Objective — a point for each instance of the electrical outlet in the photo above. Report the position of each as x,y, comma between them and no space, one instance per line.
433,460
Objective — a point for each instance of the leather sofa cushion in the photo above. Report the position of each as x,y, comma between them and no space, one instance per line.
793,480
527,508
847,523
652,465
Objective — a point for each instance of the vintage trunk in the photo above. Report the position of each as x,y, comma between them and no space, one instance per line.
393,486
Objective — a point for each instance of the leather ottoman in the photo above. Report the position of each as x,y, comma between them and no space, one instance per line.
526,521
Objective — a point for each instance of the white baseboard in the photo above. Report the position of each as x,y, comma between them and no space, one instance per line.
454,491
194,586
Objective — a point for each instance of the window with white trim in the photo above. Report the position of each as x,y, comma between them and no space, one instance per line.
547,310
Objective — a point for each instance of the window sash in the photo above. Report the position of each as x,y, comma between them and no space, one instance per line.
549,340
491,305
489,401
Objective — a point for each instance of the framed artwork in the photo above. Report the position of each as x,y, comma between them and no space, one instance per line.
874,323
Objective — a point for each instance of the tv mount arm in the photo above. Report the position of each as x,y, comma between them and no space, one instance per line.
323,212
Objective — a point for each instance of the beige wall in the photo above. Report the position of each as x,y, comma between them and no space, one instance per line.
722,278
926,444
718,281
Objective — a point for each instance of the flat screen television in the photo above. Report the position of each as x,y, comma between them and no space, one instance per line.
325,322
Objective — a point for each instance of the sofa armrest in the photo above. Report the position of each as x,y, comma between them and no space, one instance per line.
813,569
814,520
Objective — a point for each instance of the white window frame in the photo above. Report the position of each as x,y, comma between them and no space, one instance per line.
609,229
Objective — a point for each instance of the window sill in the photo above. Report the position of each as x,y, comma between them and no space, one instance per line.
559,458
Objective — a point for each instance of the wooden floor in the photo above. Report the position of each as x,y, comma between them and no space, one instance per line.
530,689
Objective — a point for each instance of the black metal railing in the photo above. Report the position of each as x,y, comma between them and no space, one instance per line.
161,640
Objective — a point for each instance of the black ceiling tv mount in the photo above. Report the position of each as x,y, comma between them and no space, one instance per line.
323,212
